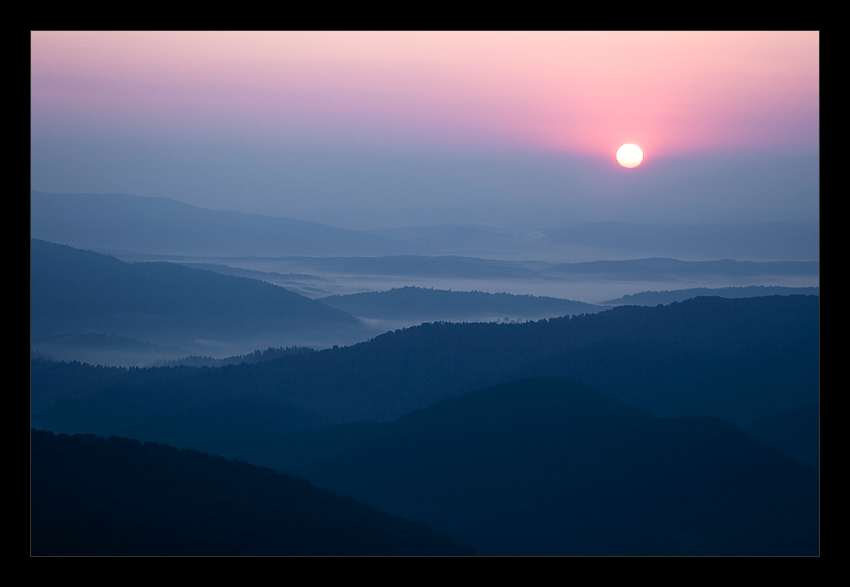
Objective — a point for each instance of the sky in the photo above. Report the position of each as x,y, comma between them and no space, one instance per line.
375,129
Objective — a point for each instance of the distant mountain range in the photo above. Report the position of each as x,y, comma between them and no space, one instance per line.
455,267
660,269
758,242
120,222
766,242
653,298
159,225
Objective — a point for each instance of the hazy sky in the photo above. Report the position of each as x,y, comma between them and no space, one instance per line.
365,129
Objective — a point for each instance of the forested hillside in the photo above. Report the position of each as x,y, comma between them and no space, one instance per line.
736,359
552,467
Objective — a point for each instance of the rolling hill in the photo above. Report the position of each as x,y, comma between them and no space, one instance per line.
552,467
430,305
740,359
73,291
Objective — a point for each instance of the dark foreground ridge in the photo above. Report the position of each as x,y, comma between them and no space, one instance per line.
552,467
116,496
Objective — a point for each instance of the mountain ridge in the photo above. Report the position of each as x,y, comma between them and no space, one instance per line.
73,290
162,225
552,467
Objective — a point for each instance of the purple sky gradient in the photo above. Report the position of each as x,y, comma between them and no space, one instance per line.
358,128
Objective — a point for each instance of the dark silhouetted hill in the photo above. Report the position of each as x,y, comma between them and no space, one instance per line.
552,467
670,378
116,496
795,431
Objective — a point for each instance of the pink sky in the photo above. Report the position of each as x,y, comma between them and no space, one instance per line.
585,92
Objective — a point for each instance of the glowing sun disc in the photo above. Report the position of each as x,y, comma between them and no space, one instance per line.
629,156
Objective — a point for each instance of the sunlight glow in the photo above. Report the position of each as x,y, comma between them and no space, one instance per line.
629,156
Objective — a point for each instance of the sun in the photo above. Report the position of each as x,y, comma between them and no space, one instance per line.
629,156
